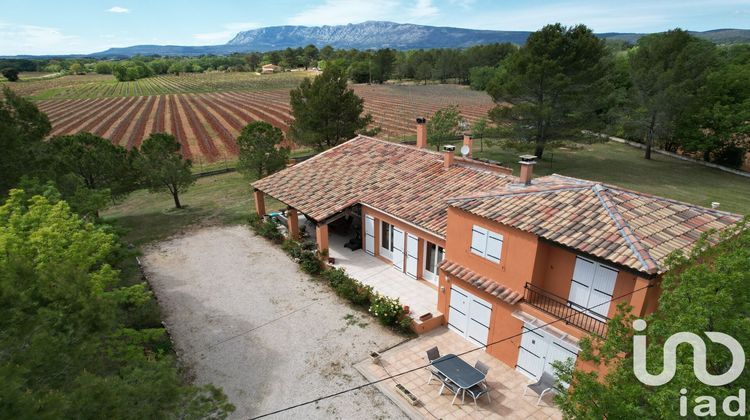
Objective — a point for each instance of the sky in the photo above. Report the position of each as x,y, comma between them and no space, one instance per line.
77,27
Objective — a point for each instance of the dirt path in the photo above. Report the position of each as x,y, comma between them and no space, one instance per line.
244,317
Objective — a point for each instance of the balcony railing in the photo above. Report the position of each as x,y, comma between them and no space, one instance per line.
564,309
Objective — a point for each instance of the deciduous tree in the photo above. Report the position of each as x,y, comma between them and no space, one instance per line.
326,112
261,152
66,350
11,74
76,68
162,167
443,126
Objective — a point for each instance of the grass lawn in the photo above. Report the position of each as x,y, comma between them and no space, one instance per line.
622,165
148,217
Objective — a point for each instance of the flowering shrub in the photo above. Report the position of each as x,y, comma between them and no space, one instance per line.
388,310
347,287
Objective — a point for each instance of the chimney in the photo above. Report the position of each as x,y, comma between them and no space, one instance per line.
448,155
468,142
422,133
527,168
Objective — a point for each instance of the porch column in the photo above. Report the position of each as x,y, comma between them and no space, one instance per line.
321,237
638,299
260,202
293,223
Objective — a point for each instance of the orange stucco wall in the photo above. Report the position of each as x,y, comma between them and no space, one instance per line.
516,266
555,271
421,235
526,258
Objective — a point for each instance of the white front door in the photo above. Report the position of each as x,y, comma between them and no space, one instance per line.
412,250
592,287
370,235
433,256
398,249
539,350
469,316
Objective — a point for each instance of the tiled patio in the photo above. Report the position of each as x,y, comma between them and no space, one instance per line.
507,400
385,279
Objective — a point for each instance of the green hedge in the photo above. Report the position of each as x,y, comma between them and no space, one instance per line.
389,311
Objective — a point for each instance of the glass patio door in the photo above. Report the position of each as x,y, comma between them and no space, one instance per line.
433,256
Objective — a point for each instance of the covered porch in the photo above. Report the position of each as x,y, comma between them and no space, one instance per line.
340,238
385,278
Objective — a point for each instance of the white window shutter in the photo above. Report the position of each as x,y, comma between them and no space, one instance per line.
580,287
478,240
494,246
602,289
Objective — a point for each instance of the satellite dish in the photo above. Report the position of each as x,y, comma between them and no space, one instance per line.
465,150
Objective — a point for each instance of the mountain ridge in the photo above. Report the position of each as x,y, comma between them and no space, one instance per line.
373,35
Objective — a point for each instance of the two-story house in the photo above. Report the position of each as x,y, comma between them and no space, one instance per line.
502,255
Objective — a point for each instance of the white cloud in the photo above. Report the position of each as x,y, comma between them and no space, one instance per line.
228,32
340,12
466,4
32,39
118,9
424,9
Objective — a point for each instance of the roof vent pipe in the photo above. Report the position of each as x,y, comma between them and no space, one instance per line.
527,168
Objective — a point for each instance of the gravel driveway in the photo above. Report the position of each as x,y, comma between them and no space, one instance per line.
244,318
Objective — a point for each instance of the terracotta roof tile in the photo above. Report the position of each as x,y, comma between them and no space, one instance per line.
481,283
400,180
626,227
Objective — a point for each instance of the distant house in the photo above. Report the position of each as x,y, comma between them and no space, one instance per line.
270,68
500,255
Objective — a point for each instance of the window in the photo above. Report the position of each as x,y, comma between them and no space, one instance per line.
486,243
386,235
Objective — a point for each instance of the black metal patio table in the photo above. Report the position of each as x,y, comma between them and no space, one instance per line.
458,371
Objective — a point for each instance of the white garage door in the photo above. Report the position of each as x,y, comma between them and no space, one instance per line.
469,316
539,349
